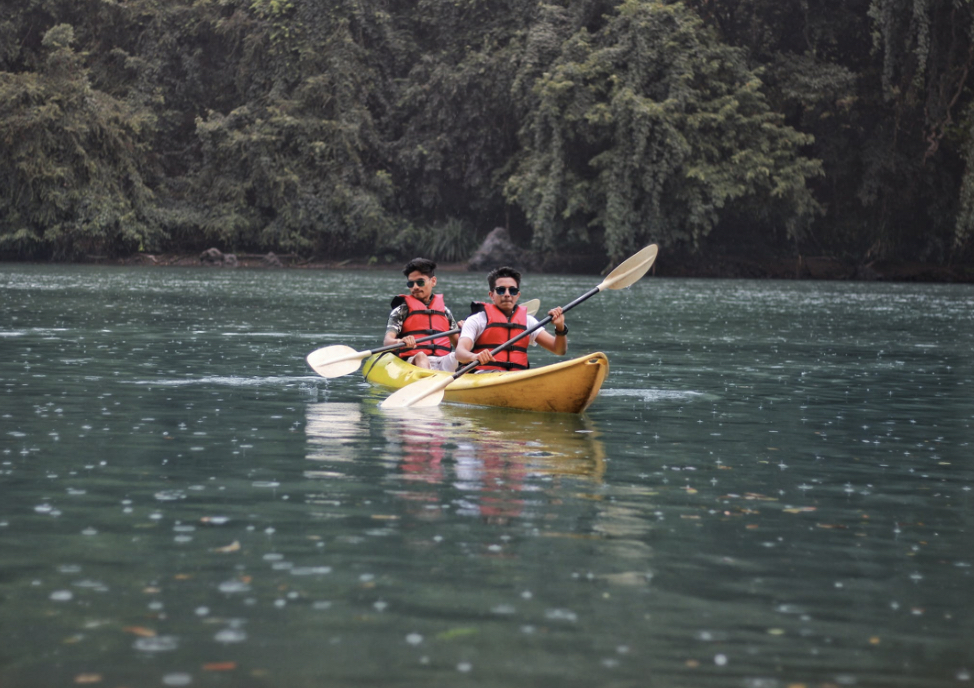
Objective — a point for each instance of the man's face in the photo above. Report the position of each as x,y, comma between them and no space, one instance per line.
507,300
423,292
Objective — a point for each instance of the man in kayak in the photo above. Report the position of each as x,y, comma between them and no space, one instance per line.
501,320
418,314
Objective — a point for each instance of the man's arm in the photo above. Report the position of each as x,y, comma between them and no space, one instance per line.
555,343
396,318
473,327
454,324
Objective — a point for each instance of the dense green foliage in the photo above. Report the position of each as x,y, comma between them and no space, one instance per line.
336,128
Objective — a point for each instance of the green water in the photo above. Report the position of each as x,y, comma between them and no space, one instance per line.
774,489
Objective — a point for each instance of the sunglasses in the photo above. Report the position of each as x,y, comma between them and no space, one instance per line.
418,283
514,291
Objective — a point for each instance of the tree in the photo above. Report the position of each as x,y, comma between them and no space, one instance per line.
647,130
71,180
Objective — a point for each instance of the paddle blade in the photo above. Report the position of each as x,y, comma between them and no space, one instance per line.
420,394
532,306
630,270
335,361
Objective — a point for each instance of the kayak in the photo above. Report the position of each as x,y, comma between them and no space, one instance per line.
563,387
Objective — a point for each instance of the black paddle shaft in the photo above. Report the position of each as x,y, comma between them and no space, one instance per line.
428,337
541,323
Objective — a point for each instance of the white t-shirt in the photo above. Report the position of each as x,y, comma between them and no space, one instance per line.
476,323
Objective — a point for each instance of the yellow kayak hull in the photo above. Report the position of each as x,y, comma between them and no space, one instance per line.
563,387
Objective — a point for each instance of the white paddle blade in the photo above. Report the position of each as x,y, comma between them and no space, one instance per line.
532,306
420,394
335,361
631,269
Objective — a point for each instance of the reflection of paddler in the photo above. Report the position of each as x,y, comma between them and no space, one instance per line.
552,444
423,448
332,431
495,453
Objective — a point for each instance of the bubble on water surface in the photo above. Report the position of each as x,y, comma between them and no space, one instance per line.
43,508
215,520
310,570
97,586
89,531
503,609
464,667
561,615
159,643
650,394
414,638
720,660
233,586
170,495
61,595
177,679
230,635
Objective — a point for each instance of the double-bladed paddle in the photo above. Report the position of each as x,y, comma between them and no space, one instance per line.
338,360
429,391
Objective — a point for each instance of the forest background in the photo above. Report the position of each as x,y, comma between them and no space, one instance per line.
801,130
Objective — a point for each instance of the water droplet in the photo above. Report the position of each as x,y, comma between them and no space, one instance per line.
159,643
230,635
232,586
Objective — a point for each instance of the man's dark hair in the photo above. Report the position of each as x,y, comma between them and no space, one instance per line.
421,265
503,272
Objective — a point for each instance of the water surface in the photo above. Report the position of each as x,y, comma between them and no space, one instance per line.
774,489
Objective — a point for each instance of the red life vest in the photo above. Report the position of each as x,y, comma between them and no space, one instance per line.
500,329
423,320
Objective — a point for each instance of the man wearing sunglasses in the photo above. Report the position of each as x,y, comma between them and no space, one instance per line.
418,314
501,320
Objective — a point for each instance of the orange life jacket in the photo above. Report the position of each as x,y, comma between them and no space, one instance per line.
423,320
500,329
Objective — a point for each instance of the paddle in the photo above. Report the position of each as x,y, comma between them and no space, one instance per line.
338,360
429,391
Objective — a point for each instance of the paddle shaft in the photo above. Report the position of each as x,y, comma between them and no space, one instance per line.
541,323
400,345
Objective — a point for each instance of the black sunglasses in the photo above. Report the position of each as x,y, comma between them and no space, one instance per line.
514,291
418,283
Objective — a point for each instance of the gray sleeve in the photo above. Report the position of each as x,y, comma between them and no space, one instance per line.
449,316
396,318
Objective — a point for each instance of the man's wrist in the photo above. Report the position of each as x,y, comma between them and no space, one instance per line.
562,332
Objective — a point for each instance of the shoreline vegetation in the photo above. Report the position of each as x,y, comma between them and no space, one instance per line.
746,139
677,264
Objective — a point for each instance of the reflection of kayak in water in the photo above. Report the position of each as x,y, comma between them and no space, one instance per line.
565,445
564,387
496,440
339,434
